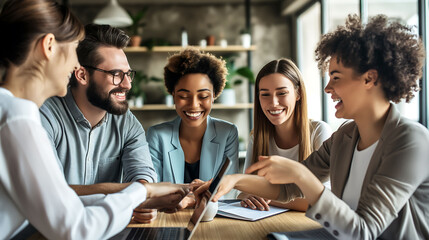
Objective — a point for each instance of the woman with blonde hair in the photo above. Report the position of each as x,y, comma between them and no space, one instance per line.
281,124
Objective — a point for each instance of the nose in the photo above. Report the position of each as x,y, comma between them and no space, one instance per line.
328,88
275,100
195,102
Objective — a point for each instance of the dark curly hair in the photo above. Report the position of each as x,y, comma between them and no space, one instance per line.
388,47
194,61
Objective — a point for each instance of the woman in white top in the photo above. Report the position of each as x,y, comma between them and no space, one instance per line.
38,55
281,124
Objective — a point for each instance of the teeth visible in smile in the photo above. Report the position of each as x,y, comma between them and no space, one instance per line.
337,100
193,114
276,111
120,94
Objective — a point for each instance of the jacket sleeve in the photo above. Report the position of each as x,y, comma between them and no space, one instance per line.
401,170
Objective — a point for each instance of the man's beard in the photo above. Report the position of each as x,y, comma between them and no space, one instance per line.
102,100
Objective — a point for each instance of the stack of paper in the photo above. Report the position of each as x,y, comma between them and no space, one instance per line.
235,210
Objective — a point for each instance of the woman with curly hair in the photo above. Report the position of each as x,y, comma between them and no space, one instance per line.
377,163
194,145
281,124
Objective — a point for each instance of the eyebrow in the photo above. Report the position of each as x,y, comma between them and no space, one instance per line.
199,90
279,88
335,71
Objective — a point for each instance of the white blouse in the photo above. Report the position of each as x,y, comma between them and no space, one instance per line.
33,188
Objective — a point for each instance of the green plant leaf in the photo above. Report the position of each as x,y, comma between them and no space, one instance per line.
247,73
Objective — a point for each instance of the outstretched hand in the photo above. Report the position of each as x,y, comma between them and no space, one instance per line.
164,196
276,169
227,184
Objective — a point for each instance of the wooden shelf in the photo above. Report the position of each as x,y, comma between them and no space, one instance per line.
167,49
156,107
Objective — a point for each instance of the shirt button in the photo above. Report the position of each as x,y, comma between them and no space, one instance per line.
326,224
335,232
318,216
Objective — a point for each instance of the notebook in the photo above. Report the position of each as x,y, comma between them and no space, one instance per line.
175,232
233,209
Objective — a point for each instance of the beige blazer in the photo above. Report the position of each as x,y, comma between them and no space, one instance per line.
394,202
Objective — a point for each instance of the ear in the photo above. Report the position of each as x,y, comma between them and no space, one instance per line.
371,78
298,96
82,76
49,47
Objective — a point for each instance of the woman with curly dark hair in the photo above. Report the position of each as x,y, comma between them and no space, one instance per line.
194,145
377,163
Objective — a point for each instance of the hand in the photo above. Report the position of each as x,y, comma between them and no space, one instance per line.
276,169
187,202
142,215
200,190
164,196
256,203
228,182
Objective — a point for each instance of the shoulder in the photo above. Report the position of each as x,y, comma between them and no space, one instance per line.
13,108
319,126
165,128
222,125
406,131
51,107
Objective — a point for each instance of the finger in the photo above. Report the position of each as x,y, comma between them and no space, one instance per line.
256,166
243,204
263,202
202,188
250,204
258,205
268,201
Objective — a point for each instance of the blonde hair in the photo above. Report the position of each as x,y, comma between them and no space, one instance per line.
263,129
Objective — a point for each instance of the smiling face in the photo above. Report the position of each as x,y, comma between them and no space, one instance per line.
346,87
101,91
278,97
193,97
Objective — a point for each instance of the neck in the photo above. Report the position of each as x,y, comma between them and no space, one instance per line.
371,122
26,86
286,135
192,134
92,113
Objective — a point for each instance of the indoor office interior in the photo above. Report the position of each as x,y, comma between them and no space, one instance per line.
278,28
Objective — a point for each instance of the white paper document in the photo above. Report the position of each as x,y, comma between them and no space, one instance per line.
235,210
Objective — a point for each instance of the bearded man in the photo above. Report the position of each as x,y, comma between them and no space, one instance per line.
101,146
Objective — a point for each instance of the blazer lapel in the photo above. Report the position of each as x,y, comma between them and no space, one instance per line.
209,159
341,171
177,157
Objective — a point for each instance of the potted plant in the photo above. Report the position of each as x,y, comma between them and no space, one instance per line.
246,38
136,94
228,95
136,26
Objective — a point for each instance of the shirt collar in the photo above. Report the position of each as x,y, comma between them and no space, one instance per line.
75,111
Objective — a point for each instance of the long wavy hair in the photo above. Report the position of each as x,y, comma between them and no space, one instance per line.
263,129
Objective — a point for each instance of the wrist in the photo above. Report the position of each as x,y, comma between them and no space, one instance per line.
147,186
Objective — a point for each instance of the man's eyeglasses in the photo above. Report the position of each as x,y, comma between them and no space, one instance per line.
118,75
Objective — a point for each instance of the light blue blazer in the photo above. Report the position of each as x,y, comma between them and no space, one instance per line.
220,141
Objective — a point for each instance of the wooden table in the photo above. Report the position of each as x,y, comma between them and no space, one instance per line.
226,228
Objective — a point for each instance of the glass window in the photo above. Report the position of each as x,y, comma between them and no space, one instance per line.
338,10
308,27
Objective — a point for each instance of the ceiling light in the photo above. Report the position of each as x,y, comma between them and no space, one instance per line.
113,15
